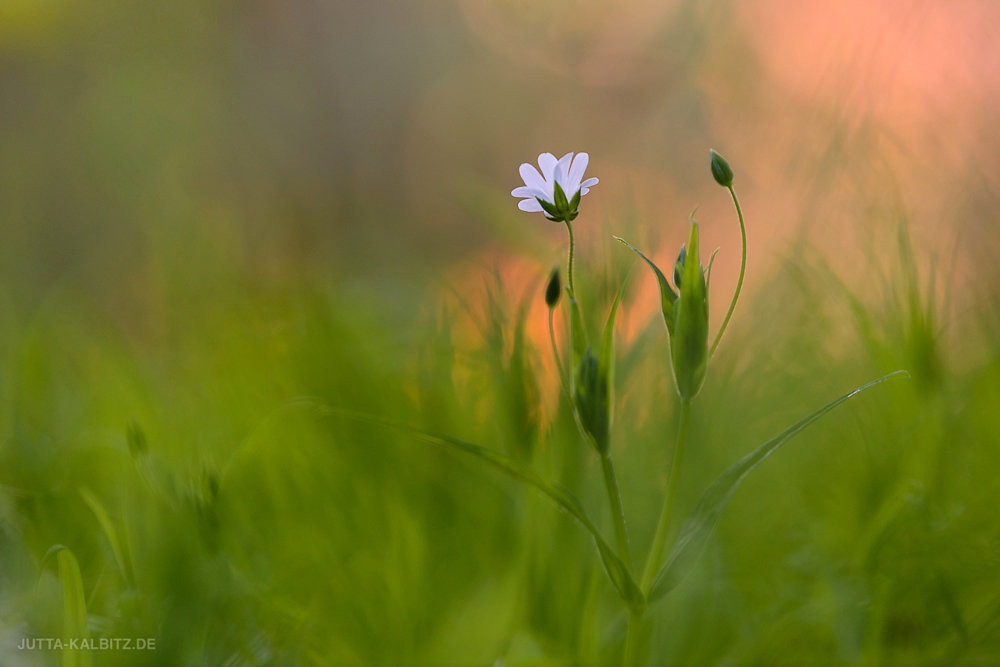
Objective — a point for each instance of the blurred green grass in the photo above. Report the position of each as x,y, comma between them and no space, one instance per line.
237,520
217,222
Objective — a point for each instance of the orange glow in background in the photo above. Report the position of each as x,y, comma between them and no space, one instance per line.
374,143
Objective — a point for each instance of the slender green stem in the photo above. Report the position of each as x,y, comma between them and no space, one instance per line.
555,356
617,512
572,288
739,283
632,637
655,558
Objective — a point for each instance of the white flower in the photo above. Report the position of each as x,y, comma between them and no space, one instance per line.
540,193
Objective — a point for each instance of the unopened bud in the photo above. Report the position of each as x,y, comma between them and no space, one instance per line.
592,399
553,289
721,171
679,266
689,337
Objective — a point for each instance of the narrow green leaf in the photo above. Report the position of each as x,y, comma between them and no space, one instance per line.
109,531
608,339
700,525
616,570
74,606
607,358
667,294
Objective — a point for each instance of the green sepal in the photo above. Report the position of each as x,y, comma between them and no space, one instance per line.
574,203
708,274
667,294
562,203
550,210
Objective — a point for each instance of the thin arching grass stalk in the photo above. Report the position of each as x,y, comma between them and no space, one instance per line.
655,558
739,283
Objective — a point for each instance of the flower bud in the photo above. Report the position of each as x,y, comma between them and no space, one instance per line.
721,171
553,289
689,334
592,399
679,266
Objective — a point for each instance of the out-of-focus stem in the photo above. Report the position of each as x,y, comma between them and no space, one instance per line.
617,512
655,558
632,637
555,356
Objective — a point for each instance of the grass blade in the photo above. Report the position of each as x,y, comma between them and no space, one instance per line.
613,565
74,606
108,526
607,359
699,526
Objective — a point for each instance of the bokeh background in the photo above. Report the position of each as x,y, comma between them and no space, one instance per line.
222,222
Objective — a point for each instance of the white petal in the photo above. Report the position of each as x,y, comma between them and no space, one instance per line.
547,161
529,205
589,183
584,191
561,171
576,171
531,177
530,193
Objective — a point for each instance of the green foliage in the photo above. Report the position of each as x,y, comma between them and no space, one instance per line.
246,524
699,526
616,570
74,626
